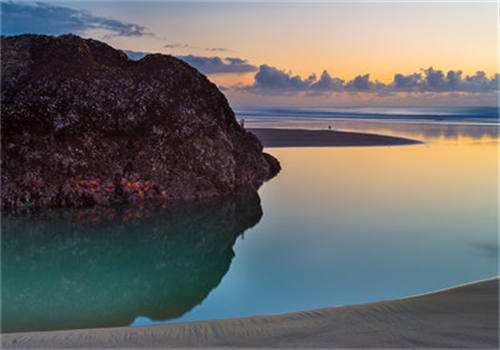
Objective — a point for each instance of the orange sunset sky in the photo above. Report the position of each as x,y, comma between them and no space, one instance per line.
347,39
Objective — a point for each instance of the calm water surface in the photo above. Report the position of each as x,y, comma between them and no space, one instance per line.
436,124
337,226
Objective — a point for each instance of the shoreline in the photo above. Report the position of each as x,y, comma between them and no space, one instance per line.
460,316
270,137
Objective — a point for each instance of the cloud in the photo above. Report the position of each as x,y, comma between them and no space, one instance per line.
214,65
206,65
176,46
181,46
479,82
42,18
271,79
437,81
327,83
454,78
407,82
361,82
235,60
219,49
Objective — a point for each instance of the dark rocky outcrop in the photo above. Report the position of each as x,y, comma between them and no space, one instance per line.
83,125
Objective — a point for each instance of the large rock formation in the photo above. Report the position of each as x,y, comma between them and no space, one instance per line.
82,125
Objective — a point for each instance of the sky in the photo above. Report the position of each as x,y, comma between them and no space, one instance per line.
404,53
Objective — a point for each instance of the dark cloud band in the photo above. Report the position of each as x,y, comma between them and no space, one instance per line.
215,65
42,18
207,65
429,80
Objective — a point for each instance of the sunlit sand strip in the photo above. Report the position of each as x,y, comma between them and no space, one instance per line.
465,317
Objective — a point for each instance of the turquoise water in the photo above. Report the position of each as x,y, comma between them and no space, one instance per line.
96,268
337,226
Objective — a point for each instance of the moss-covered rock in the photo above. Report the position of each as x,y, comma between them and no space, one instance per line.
84,125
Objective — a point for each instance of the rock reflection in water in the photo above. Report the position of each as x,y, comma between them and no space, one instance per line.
104,267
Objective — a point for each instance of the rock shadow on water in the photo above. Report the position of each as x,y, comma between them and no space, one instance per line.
103,267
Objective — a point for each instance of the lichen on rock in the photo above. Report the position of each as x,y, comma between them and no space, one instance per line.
84,125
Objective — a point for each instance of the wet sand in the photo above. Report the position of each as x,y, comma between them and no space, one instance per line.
324,138
465,317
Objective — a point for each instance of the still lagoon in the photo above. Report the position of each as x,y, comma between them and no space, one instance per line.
337,226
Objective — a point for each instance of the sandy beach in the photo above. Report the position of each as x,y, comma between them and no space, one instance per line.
324,138
465,316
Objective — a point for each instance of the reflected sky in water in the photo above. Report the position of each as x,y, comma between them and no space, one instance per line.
353,225
428,124
430,132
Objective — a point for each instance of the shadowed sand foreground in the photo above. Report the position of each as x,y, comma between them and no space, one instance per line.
323,138
465,317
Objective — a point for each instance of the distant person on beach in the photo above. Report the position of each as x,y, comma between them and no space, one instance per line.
242,123
329,127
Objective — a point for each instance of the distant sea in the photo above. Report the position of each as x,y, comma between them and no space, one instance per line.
428,124
476,114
